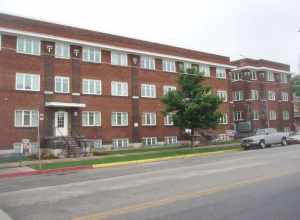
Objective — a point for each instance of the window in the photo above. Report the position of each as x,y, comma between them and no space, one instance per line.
238,95
271,95
26,118
272,115
285,96
254,95
253,75
223,119
283,78
28,46
171,140
169,66
167,89
286,129
28,82
149,119
119,119
148,91
147,62
149,141
120,143
119,88
119,58
91,87
237,116
222,94
168,120
91,119
220,73
186,66
236,76
91,54
62,84
204,69
255,115
270,76
285,115
62,50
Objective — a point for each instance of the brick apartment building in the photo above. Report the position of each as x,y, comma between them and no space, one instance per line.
72,82
261,95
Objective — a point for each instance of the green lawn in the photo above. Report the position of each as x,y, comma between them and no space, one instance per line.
133,156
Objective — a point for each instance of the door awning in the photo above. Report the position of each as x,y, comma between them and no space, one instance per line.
65,104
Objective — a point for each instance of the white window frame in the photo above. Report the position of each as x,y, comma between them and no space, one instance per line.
171,140
169,66
118,143
61,79
272,115
253,75
146,91
92,53
285,115
149,119
119,88
285,96
283,77
168,120
205,69
149,141
24,75
89,83
237,115
123,119
62,50
119,58
167,89
255,115
33,122
271,95
270,76
236,76
220,73
26,42
238,95
222,94
147,62
254,94
186,66
94,122
223,119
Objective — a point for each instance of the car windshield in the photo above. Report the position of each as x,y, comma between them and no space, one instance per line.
260,131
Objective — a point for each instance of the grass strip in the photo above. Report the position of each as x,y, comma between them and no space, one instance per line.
131,157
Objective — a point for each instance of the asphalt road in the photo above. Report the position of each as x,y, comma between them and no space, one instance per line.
257,184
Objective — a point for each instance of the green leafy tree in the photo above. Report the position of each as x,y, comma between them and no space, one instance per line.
193,106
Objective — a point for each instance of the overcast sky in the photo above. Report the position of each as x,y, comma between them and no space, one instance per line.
236,28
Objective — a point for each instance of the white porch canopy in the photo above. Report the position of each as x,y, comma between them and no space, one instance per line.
65,104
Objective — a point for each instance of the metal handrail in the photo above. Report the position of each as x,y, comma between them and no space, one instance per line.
65,140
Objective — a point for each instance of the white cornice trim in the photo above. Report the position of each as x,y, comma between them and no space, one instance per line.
261,68
133,51
65,104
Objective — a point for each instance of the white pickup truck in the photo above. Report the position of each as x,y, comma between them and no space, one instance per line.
265,138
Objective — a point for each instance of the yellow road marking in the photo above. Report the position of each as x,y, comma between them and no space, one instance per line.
160,159
176,198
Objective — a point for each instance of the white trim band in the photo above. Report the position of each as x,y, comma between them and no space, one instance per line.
76,93
261,68
135,97
48,92
65,104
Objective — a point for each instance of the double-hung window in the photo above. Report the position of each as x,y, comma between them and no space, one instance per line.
285,115
119,58
62,50
28,82
167,89
120,143
237,116
223,119
204,69
119,88
272,115
27,45
119,119
271,95
91,54
253,75
254,94
222,94
220,73
90,118
91,87
187,66
255,115
283,78
169,66
149,141
170,140
148,91
236,76
270,76
147,62
168,119
26,118
149,119
285,96
238,95
62,84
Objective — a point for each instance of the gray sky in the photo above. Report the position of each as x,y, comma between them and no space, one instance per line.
236,28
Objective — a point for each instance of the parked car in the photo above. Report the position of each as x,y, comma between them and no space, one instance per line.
265,138
294,139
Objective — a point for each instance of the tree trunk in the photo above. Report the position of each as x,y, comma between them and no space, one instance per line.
192,138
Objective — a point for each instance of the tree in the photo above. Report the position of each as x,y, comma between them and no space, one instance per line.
192,106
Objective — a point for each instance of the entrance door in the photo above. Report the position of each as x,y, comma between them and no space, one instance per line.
61,123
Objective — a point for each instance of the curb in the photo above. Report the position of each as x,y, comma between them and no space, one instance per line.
118,164
38,172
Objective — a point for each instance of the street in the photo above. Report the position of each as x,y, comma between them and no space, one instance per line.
248,185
